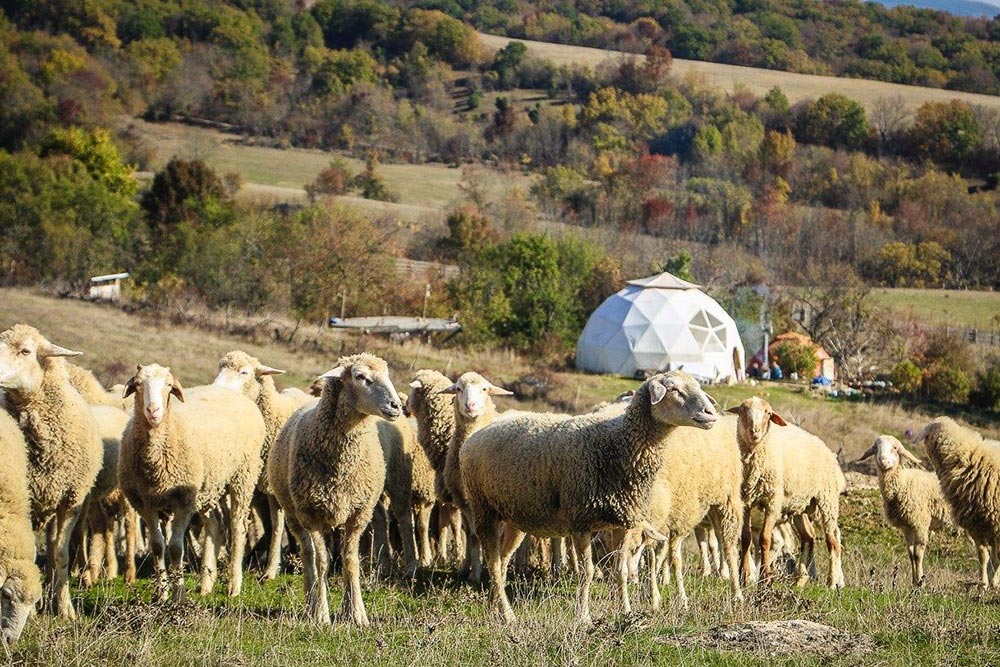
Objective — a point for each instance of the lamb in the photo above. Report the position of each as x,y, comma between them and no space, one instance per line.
182,451
64,446
243,373
911,498
788,472
968,469
20,580
552,476
327,470
90,388
700,477
435,417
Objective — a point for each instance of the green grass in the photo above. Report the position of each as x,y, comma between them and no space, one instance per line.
440,620
956,308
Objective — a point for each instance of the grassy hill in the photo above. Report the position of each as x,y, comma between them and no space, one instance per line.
795,86
957,308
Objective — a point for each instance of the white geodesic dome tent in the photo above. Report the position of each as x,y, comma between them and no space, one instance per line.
662,323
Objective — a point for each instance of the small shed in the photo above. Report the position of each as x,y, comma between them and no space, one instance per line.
824,362
107,288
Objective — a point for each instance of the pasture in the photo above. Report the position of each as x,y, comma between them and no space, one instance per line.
439,619
796,87
955,308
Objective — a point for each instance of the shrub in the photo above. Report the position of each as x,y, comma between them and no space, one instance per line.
987,392
334,180
906,376
947,384
796,358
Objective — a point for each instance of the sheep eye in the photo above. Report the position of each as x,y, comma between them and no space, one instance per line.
244,372
25,352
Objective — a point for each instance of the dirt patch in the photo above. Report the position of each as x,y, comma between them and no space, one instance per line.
860,480
794,637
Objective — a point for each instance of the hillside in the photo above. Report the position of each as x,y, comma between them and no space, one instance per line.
797,87
956,7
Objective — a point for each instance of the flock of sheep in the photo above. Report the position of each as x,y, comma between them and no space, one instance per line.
633,477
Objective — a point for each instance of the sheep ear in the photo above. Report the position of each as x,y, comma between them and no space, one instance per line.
335,372
48,349
416,384
129,387
177,390
869,453
735,410
906,454
656,392
267,370
494,390
777,419
453,389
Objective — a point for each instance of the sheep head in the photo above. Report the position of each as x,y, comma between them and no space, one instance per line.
20,589
25,354
153,385
241,372
677,399
754,419
365,380
888,451
473,394
425,389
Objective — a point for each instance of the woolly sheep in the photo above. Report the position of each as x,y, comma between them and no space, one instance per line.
968,469
911,499
553,476
789,472
435,416
90,388
107,503
474,410
327,470
243,373
700,476
64,447
20,580
182,451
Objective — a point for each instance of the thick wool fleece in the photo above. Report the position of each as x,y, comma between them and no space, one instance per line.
913,502
435,417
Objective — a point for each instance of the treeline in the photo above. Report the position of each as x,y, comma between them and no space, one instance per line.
903,44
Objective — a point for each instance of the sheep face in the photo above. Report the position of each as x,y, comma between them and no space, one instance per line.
422,387
24,356
20,590
888,452
473,394
365,379
241,372
153,386
677,399
755,416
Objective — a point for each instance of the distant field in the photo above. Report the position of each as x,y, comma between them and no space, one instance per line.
796,86
958,308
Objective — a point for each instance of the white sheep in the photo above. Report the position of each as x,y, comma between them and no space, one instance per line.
552,476
788,472
182,451
93,392
968,469
64,446
327,469
435,416
243,373
474,410
911,498
20,580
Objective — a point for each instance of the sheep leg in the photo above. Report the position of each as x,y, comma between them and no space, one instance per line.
239,509
319,564
746,542
807,537
354,605
277,532
488,530
474,557
701,537
983,551
663,558
996,564
209,551
635,558
423,517
558,556
726,523
175,550
835,572
110,553
381,542
621,543
653,577
677,565
307,550
65,520
453,520
404,520
585,561
512,538
131,520
98,520
158,548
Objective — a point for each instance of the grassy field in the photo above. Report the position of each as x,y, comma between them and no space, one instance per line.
957,308
796,86
439,620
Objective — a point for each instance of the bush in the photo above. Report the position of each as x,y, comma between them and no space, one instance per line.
334,180
987,392
947,384
906,376
796,358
